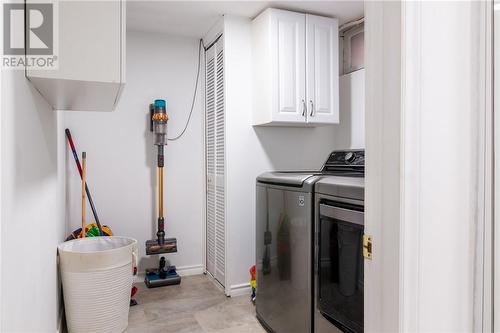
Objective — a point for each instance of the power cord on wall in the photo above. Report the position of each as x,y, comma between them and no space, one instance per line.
200,44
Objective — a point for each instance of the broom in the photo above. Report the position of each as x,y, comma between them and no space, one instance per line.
78,166
84,171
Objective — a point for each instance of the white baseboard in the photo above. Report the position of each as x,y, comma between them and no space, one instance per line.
190,270
182,271
241,289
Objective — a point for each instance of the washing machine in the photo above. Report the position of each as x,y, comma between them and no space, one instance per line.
291,210
284,250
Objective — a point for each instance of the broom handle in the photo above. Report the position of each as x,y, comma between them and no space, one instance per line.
91,202
84,171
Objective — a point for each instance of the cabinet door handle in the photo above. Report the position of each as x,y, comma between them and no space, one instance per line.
304,108
312,108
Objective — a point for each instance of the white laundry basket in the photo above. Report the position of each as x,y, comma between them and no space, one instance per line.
97,276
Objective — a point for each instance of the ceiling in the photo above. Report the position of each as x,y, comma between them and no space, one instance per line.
195,18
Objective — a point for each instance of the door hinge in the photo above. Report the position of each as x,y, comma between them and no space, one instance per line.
367,246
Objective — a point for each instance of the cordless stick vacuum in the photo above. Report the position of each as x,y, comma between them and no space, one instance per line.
164,275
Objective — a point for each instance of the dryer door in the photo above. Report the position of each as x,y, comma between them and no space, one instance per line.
340,265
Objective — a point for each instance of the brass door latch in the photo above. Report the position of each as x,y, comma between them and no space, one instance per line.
367,246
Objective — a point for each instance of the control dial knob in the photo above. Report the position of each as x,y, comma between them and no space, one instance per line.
349,157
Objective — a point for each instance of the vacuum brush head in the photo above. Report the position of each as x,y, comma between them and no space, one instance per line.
153,247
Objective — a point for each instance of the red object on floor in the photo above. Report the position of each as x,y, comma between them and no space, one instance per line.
252,272
134,291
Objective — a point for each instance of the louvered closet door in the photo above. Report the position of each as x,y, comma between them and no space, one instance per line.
215,162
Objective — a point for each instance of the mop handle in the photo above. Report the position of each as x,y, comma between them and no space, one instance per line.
77,161
84,171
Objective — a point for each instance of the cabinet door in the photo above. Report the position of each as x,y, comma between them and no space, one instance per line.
91,57
288,40
322,68
90,42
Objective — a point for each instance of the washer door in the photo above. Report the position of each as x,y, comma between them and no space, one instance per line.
340,267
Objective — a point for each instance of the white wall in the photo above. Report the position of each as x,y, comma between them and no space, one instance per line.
32,213
253,150
122,158
350,131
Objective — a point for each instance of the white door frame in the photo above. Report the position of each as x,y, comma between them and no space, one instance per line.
483,270
399,282
382,181
495,246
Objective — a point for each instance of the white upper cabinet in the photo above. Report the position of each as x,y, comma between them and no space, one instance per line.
91,57
295,69
288,62
322,68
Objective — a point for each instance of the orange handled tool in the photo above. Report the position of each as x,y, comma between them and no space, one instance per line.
84,175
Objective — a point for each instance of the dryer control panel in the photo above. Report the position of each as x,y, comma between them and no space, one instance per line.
345,161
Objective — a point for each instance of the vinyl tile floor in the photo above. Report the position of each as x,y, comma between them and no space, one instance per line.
194,306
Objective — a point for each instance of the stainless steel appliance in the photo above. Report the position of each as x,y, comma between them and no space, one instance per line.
297,214
284,251
339,228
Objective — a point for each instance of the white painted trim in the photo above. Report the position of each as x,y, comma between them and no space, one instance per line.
382,179
496,195
190,270
182,271
409,278
227,191
204,170
240,290
413,155
482,318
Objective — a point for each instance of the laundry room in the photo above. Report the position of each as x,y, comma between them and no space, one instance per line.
187,182
166,59
203,166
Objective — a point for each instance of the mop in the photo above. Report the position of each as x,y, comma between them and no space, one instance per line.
164,275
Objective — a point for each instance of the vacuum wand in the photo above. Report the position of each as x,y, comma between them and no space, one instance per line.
159,119
161,219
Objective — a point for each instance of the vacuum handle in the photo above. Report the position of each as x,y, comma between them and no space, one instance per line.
160,192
